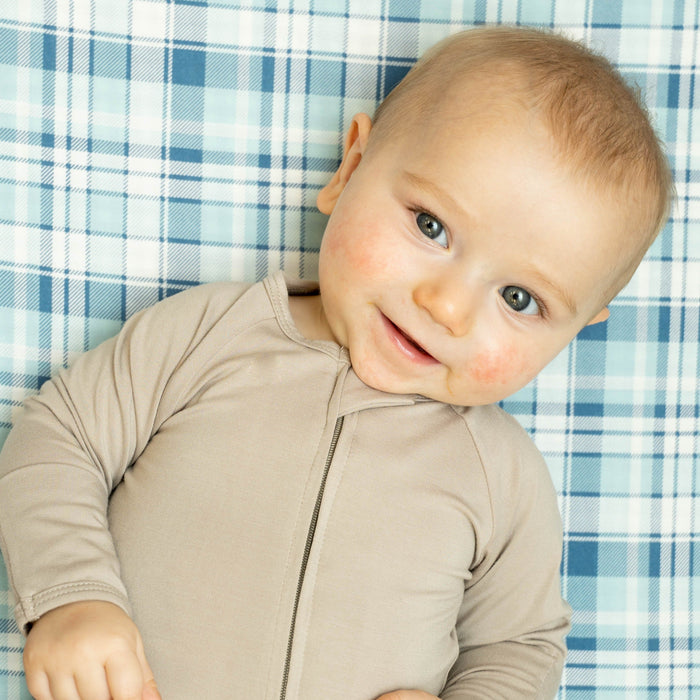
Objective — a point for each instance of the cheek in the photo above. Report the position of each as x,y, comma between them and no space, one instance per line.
353,249
504,365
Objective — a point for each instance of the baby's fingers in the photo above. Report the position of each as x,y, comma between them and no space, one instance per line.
150,690
64,688
38,685
91,683
57,687
128,678
89,650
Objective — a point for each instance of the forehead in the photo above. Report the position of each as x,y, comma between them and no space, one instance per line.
472,124
493,168
494,85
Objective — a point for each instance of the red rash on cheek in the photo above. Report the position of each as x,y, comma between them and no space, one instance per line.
357,253
501,366
359,259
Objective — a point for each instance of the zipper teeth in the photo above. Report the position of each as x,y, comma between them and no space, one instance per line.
307,552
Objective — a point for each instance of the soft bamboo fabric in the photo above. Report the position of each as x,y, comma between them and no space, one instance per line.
277,523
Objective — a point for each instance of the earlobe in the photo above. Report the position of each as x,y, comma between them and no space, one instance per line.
601,316
353,150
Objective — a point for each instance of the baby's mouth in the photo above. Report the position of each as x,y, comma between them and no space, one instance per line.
414,345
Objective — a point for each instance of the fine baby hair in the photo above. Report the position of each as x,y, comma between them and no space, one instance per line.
598,123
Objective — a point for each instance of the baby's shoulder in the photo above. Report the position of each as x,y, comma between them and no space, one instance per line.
507,452
199,304
204,315
494,430
208,293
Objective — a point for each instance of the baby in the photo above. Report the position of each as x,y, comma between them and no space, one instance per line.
305,492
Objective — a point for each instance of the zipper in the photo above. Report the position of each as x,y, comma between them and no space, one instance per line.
307,552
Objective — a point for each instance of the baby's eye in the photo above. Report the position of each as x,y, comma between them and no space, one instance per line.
520,300
429,226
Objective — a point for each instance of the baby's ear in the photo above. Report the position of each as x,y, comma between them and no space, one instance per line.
355,144
602,315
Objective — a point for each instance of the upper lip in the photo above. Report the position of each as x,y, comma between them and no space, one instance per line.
410,338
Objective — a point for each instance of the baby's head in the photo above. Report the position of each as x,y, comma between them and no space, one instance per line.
507,190
598,127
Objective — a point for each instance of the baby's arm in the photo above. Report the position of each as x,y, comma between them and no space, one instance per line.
90,650
512,623
66,453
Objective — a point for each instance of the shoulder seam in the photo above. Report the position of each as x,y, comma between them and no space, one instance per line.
483,470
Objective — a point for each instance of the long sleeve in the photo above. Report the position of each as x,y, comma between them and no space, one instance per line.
513,621
73,442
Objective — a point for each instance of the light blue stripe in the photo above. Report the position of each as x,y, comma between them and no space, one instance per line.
206,145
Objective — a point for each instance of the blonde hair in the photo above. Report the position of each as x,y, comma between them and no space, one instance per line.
598,123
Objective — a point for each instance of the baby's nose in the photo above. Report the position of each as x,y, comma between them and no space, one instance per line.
448,302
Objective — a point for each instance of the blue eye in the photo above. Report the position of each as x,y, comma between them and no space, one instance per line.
520,300
429,226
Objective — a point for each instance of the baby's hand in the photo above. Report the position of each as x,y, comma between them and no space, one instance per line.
408,695
89,650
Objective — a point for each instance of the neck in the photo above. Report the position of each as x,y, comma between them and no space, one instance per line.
309,318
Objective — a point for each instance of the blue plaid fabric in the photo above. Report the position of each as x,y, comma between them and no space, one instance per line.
148,145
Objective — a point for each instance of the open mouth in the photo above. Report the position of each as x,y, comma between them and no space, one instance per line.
408,344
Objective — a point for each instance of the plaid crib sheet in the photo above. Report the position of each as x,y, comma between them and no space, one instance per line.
149,145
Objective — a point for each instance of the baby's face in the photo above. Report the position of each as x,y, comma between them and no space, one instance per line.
458,267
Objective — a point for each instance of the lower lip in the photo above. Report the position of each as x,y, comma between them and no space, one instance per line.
407,348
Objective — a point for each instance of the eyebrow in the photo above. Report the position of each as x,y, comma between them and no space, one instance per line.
440,194
556,290
435,191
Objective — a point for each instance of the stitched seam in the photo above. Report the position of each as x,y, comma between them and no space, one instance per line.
29,605
482,465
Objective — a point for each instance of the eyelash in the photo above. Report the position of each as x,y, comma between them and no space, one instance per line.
417,209
543,311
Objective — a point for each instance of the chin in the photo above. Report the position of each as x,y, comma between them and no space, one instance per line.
381,380
465,398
